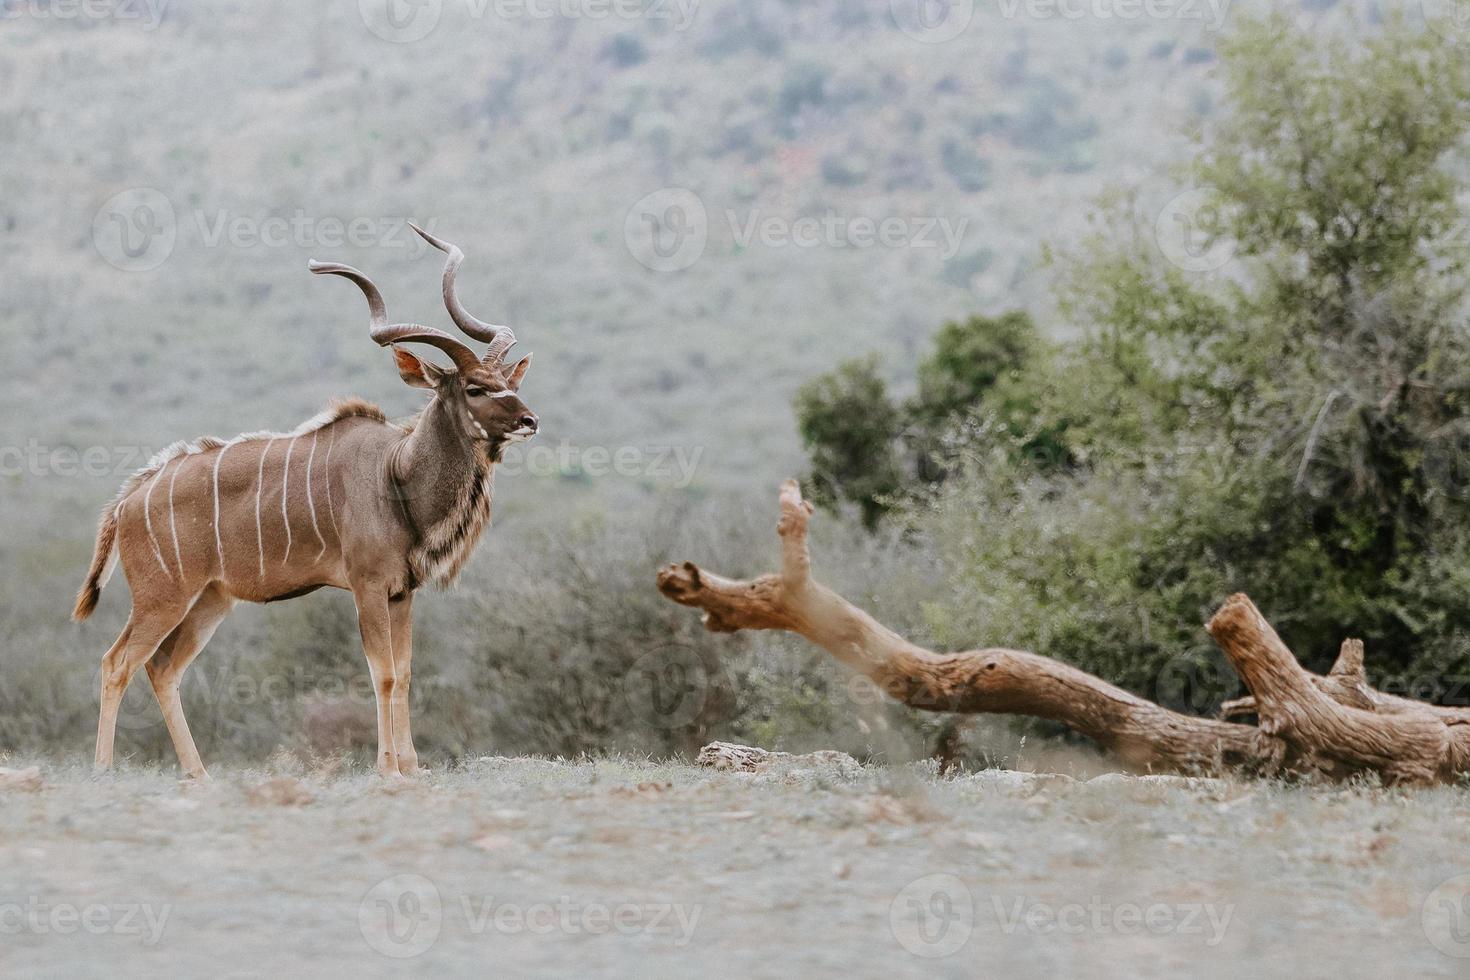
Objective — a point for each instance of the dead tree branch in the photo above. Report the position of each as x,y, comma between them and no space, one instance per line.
1309,724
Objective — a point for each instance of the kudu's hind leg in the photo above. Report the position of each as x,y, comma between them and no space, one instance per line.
166,672
146,629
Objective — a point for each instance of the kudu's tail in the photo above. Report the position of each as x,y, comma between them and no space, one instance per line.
104,560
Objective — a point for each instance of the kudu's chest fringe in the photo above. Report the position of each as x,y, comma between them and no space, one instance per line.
442,548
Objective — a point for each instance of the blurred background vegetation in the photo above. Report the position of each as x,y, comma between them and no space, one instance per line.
1054,437
1294,425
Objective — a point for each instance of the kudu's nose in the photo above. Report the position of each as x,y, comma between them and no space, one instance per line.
529,422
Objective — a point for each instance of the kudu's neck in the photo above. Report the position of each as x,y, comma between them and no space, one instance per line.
443,480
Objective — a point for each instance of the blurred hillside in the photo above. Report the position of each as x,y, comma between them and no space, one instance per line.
253,133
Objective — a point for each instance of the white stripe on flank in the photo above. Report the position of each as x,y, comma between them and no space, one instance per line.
285,480
311,501
259,489
331,508
148,520
219,546
173,525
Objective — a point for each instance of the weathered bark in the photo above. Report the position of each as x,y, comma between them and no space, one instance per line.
1408,746
979,681
1303,729
1347,683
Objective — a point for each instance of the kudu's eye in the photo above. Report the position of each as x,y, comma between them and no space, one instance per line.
475,391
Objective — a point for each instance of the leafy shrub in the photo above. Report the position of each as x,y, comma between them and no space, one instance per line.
969,170
1295,431
844,169
627,50
866,450
849,425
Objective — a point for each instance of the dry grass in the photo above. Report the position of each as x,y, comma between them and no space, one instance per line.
612,866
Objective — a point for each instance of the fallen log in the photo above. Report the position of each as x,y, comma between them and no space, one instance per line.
1347,683
1302,730
1408,746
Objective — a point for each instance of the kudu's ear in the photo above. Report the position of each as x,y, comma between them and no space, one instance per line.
415,372
513,382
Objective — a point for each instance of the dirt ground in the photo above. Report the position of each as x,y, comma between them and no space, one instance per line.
517,867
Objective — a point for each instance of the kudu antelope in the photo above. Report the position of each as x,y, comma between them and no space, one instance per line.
347,499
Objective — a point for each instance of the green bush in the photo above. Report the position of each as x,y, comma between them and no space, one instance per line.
869,451
1294,428
849,425
969,170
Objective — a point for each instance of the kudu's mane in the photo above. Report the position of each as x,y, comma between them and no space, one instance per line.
337,410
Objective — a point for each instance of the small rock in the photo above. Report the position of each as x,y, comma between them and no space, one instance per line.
897,810
725,756
729,757
983,840
493,842
280,791
21,780
644,790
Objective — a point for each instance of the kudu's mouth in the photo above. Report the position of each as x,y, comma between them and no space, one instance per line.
522,434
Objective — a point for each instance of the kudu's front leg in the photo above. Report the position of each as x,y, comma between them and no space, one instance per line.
375,622
400,614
